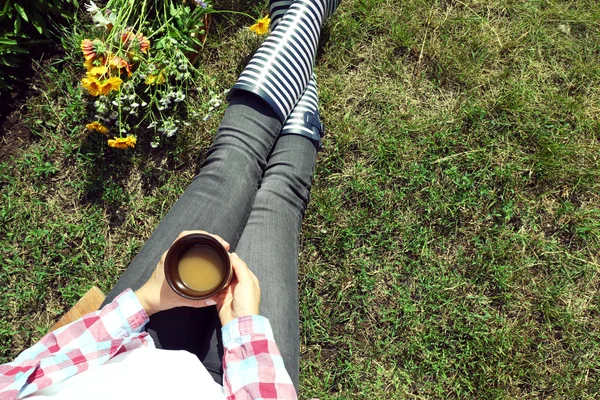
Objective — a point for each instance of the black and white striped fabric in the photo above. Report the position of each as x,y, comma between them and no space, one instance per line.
277,9
304,119
280,70
330,7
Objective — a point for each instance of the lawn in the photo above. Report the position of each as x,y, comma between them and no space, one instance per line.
451,249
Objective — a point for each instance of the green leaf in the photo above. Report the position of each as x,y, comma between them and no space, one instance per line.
7,41
6,10
6,61
17,28
22,12
17,49
38,22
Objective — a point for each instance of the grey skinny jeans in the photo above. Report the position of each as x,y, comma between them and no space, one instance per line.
252,190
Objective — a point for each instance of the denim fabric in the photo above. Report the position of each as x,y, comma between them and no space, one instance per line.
252,190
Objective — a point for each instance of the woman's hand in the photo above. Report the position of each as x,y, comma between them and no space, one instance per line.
242,296
156,294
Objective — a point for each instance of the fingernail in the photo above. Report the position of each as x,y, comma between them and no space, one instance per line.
211,302
225,242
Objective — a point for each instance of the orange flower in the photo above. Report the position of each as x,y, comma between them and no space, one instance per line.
144,43
119,62
87,47
261,26
127,36
96,126
123,143
92,48
137,42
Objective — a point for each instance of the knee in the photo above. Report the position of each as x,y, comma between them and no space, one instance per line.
286,185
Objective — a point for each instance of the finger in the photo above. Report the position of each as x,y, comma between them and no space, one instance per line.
199,303
242,272
254,277
211,302
164,257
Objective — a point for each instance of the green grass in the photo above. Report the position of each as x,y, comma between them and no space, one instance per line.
452,244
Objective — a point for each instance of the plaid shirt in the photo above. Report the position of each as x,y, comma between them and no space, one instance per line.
253,367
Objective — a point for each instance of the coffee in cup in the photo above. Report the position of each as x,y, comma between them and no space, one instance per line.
197,266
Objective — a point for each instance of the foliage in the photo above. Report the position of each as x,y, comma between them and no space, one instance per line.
21,24
140,66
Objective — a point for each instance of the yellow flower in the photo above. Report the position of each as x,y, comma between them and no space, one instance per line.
156,79
261,26
110,84
97,71
92,85
123,143
97,126
96,87
89,64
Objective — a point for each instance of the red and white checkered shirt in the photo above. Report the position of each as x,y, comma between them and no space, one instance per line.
253,367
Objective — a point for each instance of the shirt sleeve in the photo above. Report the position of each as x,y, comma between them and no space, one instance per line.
253,367
90,341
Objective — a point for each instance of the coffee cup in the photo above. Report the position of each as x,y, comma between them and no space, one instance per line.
197,266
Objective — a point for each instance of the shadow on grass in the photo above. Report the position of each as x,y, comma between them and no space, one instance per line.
108,178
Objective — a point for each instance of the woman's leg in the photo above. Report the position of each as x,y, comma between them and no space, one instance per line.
218,200
269,243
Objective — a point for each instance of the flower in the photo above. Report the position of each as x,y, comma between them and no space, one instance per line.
200,3
97,71
96,126
178,97
119,62
111,84
92,49
87,47
88,64
96,87
108,20
136,42
155,79
92,8
91,84
261,26
123,143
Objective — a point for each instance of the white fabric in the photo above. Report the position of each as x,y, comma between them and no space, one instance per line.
146,372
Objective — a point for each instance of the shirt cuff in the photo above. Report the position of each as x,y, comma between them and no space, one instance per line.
241,330
131,308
